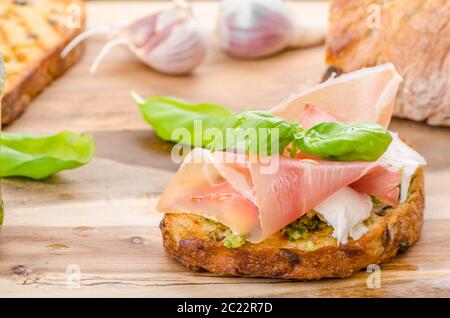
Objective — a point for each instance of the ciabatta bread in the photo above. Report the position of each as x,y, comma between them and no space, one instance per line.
412,34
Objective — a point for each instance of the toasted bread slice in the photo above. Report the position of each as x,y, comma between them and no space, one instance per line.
188,238
32,35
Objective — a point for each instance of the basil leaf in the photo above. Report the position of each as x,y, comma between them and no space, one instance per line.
38,157
179,121
254,131
345,141
260,132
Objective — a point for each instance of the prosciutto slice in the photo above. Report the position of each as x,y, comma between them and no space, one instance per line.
204,186
382,183
298,187
235,191
311,116
364,95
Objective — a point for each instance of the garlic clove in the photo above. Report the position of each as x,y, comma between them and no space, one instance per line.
140,31
260,28
254,28
146,28
175,44
169,41
180,52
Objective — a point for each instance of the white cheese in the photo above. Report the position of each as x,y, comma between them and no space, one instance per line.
400,157
345,211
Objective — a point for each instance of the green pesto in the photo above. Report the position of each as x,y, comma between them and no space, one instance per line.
304,226
223,234
300,229
232,240
379,207
375,200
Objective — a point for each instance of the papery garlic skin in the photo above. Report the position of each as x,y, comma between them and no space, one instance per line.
170,41
254,28
309,32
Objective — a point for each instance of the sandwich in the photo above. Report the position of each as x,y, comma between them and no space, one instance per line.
342,192
32,35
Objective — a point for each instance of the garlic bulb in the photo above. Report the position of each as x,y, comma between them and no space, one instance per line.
254,28
169,41
260,28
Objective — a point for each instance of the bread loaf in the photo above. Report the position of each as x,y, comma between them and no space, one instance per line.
412,34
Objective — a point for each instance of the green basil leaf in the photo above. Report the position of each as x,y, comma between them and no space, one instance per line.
345,141
258,132
179,121
38,157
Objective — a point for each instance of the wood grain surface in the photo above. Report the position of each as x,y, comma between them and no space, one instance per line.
97,225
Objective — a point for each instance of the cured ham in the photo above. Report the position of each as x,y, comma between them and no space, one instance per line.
199,188
382,183
298,187
235,191
364,95
312,115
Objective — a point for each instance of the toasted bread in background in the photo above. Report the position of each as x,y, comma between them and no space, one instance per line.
412,34
190,239
32,35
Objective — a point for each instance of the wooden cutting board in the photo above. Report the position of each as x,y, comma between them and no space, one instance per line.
94,231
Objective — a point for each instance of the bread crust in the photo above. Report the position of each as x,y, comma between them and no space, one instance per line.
414,35
17,97
273,258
